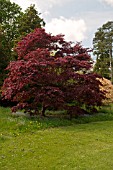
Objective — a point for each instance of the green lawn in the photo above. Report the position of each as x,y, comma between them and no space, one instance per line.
55,144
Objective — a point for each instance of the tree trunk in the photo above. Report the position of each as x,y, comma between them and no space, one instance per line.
43,111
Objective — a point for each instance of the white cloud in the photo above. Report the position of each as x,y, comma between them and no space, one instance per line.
44,5
26,4
109,2
74,30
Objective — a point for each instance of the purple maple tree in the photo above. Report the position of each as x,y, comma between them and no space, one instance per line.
41,79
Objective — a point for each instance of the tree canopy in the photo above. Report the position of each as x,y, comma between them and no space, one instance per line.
103,42
15,24
3,58
60,81
9,13
29,21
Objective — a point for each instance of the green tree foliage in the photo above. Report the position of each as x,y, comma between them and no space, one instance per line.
16,24
102,44
3,57
29,21
9,14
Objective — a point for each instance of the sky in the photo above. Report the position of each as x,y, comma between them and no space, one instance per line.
78,20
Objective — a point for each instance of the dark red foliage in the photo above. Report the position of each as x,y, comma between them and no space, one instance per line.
40,79
75,111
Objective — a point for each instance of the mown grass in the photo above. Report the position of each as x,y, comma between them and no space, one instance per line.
85,143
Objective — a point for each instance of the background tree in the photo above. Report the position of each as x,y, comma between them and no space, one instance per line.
9,14
29,21
3,57
16,24
102,43
3,60
39,79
